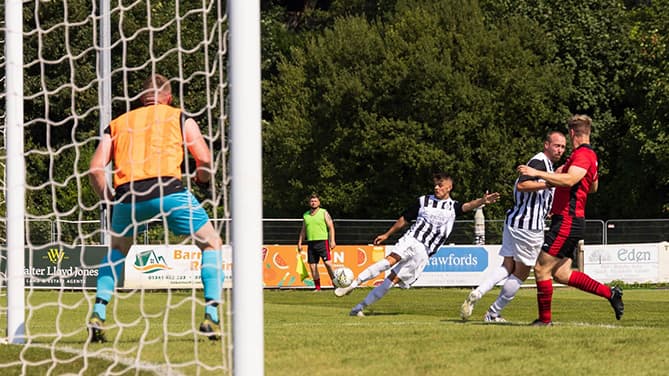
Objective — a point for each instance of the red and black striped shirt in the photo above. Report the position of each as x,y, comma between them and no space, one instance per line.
570,201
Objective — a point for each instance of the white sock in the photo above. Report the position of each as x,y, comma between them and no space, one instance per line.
509,290
492,279
373,270
377,293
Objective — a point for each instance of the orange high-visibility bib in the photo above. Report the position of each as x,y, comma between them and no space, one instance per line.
147,143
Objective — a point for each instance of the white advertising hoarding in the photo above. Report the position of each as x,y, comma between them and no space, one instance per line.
631,263
178,266
169,266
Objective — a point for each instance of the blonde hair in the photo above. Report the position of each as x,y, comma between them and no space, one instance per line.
155,88
581,124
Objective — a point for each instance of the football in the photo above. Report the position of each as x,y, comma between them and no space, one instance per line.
343,277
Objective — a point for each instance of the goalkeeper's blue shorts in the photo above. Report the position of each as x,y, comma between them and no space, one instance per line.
181,210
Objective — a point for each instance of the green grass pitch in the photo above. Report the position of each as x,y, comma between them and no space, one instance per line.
409,332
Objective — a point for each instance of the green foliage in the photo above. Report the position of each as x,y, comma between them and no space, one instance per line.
363,99
62,109
647,152
366,110
618,59
473,90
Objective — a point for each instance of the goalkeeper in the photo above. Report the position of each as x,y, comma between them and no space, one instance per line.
147,146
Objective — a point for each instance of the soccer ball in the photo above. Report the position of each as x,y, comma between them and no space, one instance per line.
343,277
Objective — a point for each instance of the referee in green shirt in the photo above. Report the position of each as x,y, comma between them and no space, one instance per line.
318,230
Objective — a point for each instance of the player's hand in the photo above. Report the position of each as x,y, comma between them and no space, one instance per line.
526,170
333,244
490,198
204,185
380,239
204,188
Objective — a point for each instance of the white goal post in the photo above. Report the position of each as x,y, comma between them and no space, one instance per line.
224,96
246,153
15,171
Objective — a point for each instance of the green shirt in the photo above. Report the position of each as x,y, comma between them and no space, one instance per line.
315,226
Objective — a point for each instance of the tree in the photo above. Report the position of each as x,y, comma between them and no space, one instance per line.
618,63
61,107
644,159
366,110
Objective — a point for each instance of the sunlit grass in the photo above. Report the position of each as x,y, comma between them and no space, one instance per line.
409,332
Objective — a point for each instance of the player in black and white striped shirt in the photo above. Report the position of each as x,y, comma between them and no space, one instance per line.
434,217
523,232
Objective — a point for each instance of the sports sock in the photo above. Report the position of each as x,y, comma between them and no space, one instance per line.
492,279
212,280
110,270
583,282
506,295
317,283
377,293
544,299
374,270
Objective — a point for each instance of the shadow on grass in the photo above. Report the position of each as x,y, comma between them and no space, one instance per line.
483,323
376,313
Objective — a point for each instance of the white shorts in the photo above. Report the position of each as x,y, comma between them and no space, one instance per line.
414,259
523,245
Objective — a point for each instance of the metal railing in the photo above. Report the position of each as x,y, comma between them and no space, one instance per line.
363,231
348,231
620,231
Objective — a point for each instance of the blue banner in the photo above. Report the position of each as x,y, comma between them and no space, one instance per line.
458,259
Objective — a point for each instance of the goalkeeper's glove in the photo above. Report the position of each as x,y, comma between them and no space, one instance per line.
204,185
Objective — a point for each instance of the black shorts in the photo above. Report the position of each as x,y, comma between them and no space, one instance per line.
318,249
562,238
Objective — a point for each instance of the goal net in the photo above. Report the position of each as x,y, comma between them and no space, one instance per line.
83,65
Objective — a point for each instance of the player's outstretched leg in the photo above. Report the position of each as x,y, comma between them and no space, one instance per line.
367,274
377,293
341,291
467,306
614,295
498,274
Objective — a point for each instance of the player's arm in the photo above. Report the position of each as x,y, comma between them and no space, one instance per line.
398,225
594,186
331,230
97,174
300,237
566,179
532,184
409,214
198,148
488,198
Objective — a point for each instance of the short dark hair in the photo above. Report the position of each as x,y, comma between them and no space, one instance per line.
154,85
550,133
440,175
